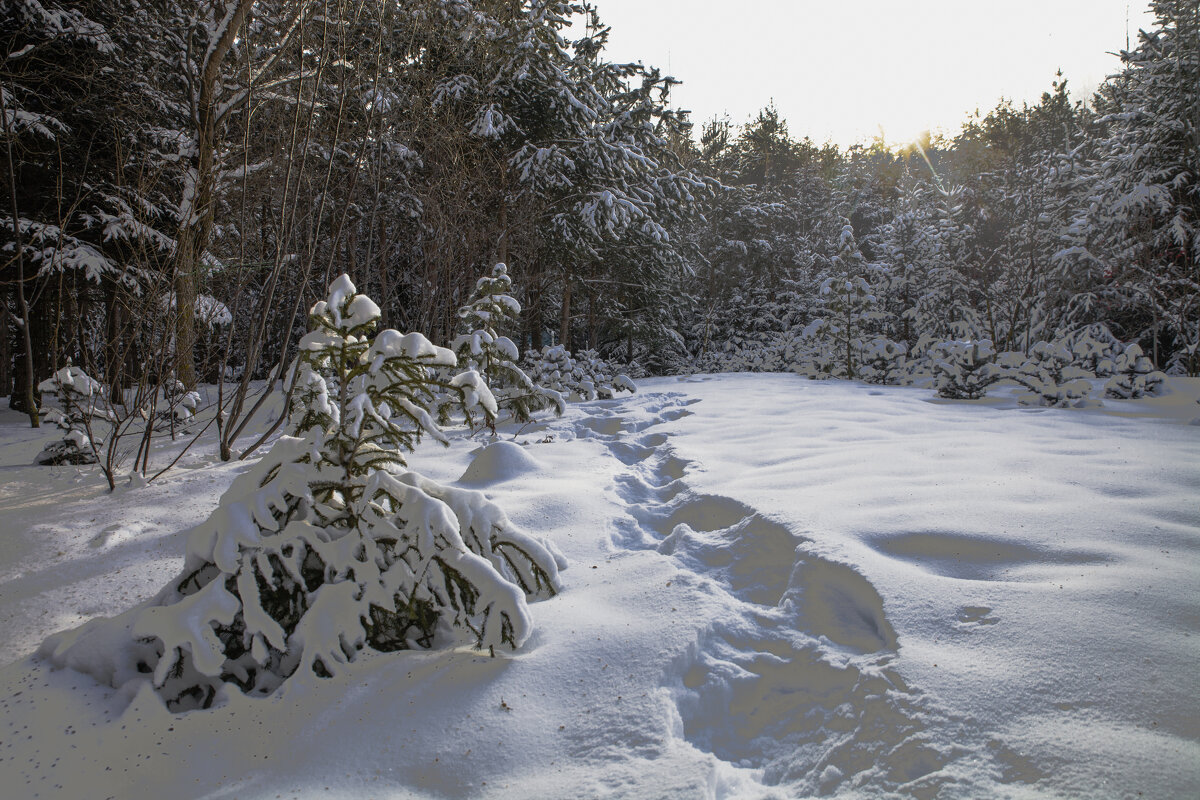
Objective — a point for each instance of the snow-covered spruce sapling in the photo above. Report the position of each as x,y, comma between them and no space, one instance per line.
848,306
327,547
1049,373
1095,349
598,378
77,395
1134,376
494,356
882,361
964,370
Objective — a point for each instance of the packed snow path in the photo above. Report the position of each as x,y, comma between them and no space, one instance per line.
794,679
777,588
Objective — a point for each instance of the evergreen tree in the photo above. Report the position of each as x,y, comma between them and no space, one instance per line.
1134,376
326,547
848,302
495,357
78,395
1144,228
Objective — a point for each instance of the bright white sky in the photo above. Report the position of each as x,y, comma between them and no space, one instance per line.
840,70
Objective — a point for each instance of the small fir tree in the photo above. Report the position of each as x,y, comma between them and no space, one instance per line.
77,395
1050,374
327,547
587,377
882,361
1134,376
849,304
964,370
1094,348
495,356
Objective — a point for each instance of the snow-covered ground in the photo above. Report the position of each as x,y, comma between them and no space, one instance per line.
777,588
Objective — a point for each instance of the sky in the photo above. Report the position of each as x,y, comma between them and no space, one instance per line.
840,71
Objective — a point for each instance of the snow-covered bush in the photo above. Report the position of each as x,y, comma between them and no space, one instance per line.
181,404
77,395
964,370
495,357
1134,376
1049,373
327,547
587,377
882,361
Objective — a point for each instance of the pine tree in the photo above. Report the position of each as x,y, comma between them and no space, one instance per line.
1050,374
848,301
1143,228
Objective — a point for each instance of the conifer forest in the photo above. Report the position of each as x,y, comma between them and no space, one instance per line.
184,180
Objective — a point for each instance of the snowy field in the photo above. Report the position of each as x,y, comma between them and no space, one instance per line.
777,588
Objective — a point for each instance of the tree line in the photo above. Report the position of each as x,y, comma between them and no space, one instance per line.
183,180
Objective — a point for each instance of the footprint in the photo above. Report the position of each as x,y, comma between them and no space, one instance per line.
605,426
672,468
630,453
101,538
702,513
976,615
757,694
754,557
119,533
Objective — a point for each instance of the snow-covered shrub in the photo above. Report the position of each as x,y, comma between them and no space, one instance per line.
327,547
495,357
77,395
586,377
1049,373
1093,348
1134,376
964,370
181,404
882,361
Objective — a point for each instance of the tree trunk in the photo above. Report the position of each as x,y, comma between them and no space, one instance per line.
564,330
6,350
196,207
114,350
22,305
593,336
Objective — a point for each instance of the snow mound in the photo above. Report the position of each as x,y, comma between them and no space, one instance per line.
499,462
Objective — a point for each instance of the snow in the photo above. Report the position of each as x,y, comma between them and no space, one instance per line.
778,588
498,462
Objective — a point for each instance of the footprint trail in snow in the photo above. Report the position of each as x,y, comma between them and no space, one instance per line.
797,680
